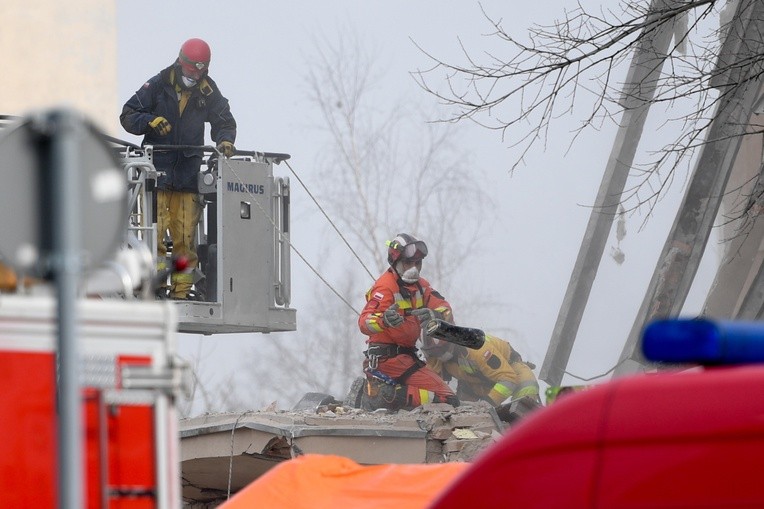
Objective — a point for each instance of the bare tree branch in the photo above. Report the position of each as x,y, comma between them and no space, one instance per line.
528,83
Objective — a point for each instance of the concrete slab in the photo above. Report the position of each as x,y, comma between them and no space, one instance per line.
222,453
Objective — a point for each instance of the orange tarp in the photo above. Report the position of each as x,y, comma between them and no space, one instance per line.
324,481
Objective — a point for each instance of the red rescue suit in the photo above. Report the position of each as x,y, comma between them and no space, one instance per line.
392,350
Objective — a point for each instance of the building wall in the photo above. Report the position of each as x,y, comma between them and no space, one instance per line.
741,233
60,54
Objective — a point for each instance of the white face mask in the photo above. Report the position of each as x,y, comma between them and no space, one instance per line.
188,82
411,275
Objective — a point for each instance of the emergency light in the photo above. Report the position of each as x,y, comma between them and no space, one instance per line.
703,341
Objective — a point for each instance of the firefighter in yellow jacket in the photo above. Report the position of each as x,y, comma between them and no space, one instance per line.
494,373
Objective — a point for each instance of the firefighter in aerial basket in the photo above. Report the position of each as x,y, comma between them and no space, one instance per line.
495,372
172,108
397,306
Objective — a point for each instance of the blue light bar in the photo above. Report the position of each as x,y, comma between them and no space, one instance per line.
702,341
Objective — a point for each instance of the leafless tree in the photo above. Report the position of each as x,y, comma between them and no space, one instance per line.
385,170
524,83
397,171
323,357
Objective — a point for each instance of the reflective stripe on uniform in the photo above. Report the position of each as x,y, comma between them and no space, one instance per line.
374,323
529,388
405,304
445,313
504,388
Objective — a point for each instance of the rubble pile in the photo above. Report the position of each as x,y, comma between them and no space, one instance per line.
222,453
452,434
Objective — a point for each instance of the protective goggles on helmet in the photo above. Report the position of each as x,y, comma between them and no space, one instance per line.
414,251
191,69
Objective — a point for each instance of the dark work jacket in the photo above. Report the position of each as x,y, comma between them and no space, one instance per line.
158,98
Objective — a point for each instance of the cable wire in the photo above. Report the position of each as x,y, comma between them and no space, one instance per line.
595,376
330,220
230,458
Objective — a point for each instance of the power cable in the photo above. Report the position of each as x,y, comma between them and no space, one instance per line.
596,376
330,220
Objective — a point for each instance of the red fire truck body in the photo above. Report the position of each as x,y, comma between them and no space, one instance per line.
689,439
129,381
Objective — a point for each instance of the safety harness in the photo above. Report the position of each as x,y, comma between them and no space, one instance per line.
378,351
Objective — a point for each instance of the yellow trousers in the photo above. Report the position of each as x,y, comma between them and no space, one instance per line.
527,385
179,213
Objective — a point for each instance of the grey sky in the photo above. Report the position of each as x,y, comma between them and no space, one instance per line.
259,51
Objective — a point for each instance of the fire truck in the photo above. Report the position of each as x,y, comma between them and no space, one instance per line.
690,435
128,374
130,379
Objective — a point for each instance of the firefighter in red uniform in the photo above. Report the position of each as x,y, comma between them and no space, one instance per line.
397,306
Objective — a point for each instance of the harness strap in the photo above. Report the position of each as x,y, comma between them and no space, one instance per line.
418,364
381,350
388,350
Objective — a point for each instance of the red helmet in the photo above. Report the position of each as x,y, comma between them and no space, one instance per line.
194,58
405,247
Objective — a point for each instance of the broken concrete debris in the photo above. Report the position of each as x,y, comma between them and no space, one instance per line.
222,453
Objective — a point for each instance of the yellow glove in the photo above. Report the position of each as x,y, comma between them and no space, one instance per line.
226,148
161,126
